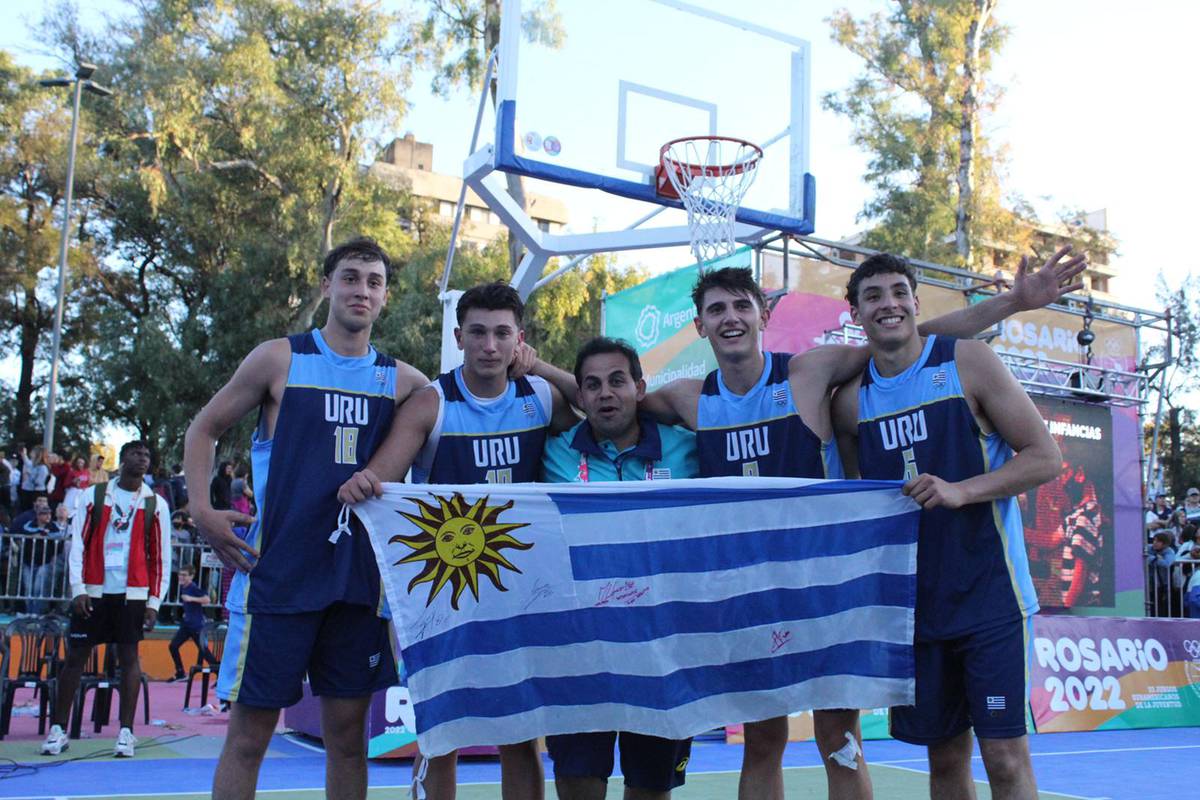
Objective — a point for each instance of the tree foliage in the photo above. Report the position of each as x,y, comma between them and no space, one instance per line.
918,109
34,122
1179,443
232,156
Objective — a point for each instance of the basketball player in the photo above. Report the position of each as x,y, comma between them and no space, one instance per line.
324,401
474,425
768,414
946,416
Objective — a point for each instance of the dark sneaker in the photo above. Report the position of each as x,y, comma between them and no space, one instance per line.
178,676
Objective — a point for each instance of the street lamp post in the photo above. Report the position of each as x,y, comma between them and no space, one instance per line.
82,82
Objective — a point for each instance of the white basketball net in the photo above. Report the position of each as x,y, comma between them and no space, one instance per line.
711,176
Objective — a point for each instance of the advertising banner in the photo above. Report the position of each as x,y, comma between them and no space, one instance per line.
1106,673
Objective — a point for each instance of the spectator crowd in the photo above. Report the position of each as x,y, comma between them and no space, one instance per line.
1173,556
39,496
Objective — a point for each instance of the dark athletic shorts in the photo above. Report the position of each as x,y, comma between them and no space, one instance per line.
345,650
113,619
647,762
978,681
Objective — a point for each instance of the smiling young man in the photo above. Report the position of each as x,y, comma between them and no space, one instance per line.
473,425
947,417
767,414
616,443
301,603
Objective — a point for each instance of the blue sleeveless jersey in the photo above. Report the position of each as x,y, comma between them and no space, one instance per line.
335,412
486,441
760,432
972,569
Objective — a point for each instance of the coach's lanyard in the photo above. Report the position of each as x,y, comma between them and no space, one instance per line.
584,475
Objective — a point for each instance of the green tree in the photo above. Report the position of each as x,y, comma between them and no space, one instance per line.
459,35
1179,444
916,110
235,159
34,125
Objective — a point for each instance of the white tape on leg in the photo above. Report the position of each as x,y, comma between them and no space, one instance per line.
848,755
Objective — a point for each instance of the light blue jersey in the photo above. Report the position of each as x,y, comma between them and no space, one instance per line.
477,440
662,452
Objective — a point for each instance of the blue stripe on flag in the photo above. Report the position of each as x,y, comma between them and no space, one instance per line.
853,659
644,623
599,502
725,551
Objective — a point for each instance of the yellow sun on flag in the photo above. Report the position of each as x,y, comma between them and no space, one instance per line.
458,542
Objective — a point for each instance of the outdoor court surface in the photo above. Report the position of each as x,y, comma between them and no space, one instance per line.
175,761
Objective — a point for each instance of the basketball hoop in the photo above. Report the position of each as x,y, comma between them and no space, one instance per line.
709,175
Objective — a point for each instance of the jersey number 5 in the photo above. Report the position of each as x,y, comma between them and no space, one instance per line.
345,445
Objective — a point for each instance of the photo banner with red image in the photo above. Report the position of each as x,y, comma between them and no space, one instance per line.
1069,521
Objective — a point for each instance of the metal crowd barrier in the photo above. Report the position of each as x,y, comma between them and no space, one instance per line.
34,577
1166,587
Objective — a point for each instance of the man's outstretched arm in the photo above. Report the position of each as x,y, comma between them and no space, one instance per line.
1030,290
838,363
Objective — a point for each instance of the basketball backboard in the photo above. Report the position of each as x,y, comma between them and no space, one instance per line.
593,110
631,75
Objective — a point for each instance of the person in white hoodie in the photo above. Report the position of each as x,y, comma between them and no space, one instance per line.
120,568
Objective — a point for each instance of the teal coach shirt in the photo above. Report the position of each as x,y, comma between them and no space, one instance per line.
662,452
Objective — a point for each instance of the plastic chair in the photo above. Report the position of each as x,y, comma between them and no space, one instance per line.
40,643
213,636
103,681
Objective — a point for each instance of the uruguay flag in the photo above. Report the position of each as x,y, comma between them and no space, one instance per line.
665,608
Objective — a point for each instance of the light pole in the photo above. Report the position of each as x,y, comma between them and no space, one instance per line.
82,81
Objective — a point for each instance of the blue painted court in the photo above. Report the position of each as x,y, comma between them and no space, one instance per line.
1118,765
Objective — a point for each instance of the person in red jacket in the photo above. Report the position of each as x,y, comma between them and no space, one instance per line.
120,568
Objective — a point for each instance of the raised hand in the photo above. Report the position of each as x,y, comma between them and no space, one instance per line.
1055,278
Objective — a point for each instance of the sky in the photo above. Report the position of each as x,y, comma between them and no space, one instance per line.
1097,113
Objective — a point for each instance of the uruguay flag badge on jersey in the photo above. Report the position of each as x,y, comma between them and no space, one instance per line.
939,378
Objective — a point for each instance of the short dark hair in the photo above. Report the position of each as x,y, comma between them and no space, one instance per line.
879,264
1163,537
136,444
189,569
603,344
736,280
360,248
495,296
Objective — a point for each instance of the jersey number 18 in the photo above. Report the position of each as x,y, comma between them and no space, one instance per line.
345,445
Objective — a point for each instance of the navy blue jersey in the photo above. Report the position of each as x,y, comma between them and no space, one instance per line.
335,412
476,440
760,432
972,570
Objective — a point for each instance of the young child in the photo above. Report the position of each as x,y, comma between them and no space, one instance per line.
194,599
